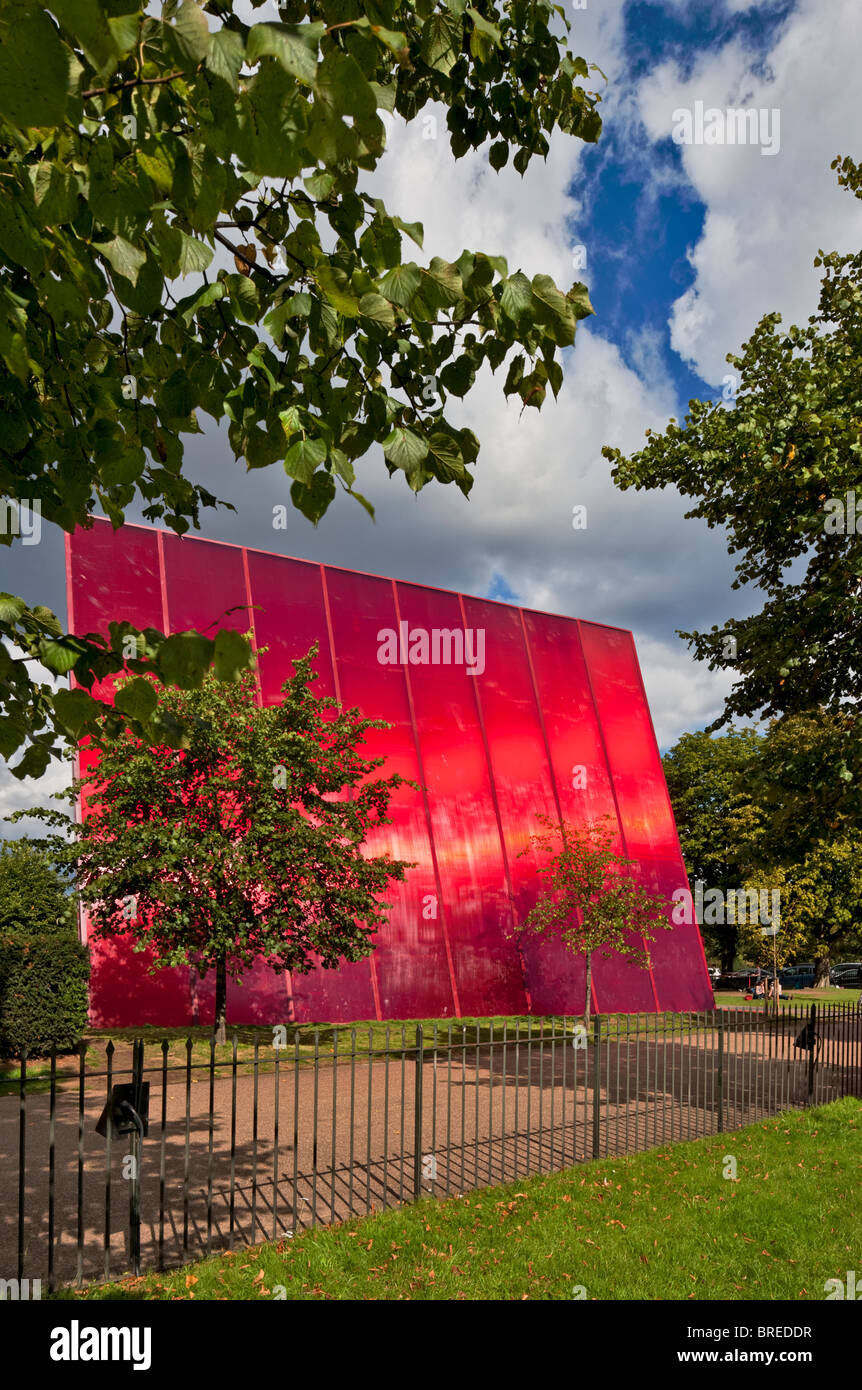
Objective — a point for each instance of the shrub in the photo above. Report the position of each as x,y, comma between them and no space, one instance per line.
43,992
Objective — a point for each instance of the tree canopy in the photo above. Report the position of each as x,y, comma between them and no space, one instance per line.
711,783
185,231
589,899
34,896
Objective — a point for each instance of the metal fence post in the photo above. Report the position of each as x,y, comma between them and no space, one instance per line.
417,1117
720,1072
813,1039
597,1083
136,1152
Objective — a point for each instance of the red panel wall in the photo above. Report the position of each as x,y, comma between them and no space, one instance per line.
553,720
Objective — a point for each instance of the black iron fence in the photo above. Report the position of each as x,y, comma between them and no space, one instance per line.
211,1148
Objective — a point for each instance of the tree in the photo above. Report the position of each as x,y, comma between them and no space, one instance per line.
711,785
779,469
589,900
821,905
33,895
138,151
241,844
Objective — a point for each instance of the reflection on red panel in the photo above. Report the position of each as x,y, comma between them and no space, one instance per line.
411,960
114,576
552,720
289,617
581,775
475,894
679,965
203,582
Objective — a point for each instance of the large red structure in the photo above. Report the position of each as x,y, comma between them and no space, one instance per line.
531,713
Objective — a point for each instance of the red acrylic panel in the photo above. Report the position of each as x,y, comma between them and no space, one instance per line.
289,612
555,723
583,783
205,585
488,974
411,960
523,789
112,576
679,963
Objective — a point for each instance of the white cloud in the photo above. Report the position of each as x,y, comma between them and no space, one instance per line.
766,215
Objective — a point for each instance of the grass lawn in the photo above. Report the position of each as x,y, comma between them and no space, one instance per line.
660,1225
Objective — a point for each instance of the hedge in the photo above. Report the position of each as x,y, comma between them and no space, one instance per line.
43,992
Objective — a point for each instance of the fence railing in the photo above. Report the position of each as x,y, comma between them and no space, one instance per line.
259,1142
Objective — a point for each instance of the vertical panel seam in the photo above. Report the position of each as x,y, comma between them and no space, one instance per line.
333,659
433,848
492,784
620,823
555,789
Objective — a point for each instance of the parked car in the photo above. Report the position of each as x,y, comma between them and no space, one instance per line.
793,978
797,977
846,976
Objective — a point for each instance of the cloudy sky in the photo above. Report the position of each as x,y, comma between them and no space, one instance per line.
686,246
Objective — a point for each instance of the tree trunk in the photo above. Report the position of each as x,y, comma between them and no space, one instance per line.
220,1020
588,989
821,973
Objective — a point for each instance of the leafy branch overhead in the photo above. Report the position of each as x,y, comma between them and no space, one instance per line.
184,231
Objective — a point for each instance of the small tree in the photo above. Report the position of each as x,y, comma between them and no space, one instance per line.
591,902
241,843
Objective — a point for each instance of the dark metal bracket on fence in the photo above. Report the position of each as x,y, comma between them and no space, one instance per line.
128,1112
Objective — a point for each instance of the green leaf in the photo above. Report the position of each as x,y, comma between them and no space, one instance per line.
137,699
102,43
314,499
552,308
440,47
226,56
282,42
579,298
125,258
374,306
343,86
414,230
404,448
11,608
191,32
57,656
400,283
195,255
34,68
446,286
517,296
336,286
183,659
34,762
76,709
232,654
444,459
303,458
